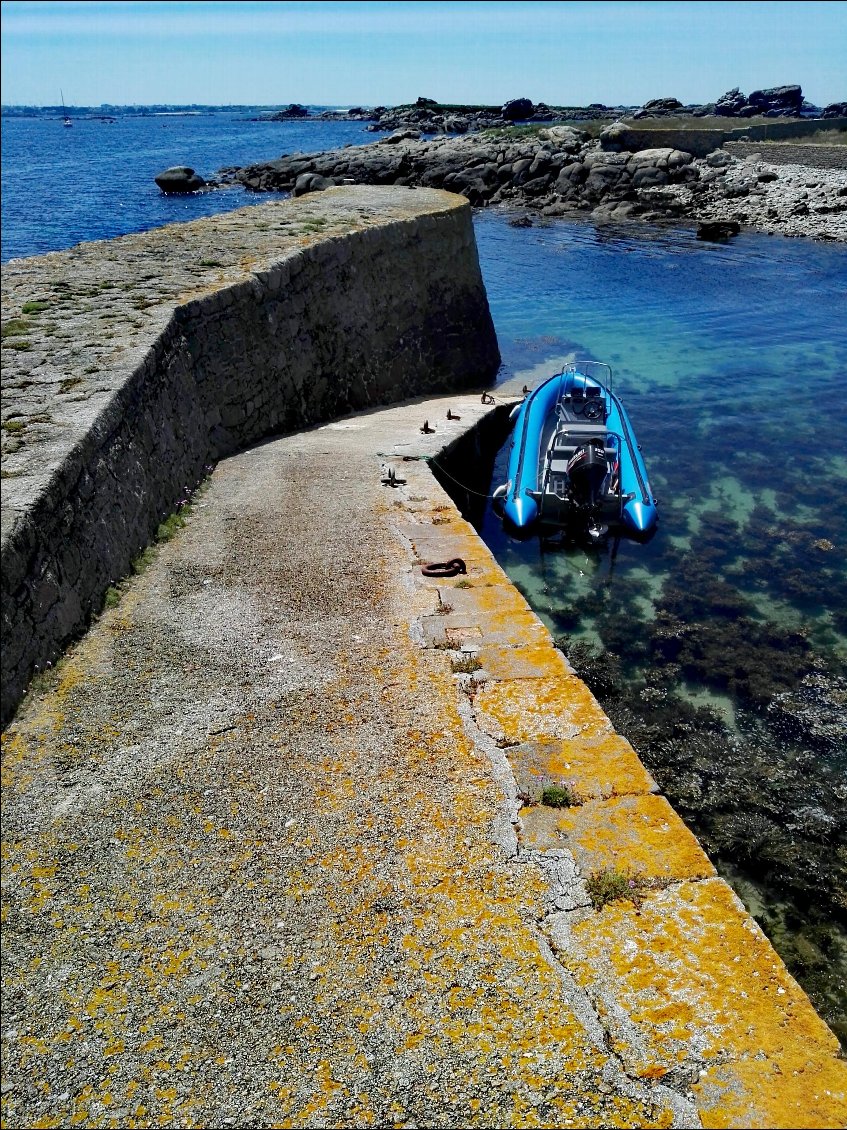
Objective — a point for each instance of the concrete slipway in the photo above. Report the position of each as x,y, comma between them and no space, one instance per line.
267,865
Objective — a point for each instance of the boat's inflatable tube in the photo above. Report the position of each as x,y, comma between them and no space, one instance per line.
518,507
640,515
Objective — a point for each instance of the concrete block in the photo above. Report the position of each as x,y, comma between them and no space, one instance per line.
525,710
541,661
639,834
692,974
593,768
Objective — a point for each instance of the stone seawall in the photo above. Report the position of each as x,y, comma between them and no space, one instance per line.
134,364
789,153
701,142
277,850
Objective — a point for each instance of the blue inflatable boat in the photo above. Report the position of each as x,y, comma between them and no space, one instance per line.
574,463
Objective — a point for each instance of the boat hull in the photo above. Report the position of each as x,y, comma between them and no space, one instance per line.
522,499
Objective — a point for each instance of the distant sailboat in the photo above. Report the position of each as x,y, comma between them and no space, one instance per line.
66,121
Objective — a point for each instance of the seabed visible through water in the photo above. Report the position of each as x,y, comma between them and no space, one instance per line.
720,648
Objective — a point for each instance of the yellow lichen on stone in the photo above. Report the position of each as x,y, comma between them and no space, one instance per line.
292,896
638,834
538,661
772,1095
702,985
481,570
493,628
596,767
501,598
532,709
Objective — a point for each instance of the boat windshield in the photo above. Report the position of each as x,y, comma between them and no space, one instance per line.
595,371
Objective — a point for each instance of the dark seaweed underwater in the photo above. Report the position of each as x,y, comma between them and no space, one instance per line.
719,648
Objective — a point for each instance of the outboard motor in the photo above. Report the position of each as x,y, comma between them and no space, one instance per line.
587,468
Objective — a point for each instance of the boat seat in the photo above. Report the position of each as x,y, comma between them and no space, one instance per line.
581,433
559,466
567,440
560,456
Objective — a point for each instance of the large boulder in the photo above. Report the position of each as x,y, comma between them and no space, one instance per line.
597,157
782,101
666,105
478,184
649,176
659,107
311,182
664,158
616,137
400,135
775,102
606,172
570,179
615,211
179,179
294,110
541,112
650,168
729,105
518,110
565,138
835,110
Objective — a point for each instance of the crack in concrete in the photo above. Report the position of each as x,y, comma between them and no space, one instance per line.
570,901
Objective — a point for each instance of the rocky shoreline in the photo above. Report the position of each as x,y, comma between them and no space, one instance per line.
430,116
564,171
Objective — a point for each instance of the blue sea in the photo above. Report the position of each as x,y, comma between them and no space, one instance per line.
720,647
96,180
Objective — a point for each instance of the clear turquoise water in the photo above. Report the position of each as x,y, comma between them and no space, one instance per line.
732,361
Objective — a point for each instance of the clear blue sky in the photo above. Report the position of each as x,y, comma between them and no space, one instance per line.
390,52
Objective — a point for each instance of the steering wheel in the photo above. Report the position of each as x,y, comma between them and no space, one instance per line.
593,409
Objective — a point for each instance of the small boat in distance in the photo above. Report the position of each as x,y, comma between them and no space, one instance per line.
66,120
574,464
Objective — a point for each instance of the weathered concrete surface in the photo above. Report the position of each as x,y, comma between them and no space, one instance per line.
269,861
129,365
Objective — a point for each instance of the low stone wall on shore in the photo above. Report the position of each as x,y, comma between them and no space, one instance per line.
134,364
701,142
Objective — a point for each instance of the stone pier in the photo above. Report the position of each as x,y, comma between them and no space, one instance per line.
276,850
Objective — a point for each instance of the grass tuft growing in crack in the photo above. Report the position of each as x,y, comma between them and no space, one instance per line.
612,884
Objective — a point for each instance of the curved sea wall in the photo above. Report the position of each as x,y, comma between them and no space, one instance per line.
132,365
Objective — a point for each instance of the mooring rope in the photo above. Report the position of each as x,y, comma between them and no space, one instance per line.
470,490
